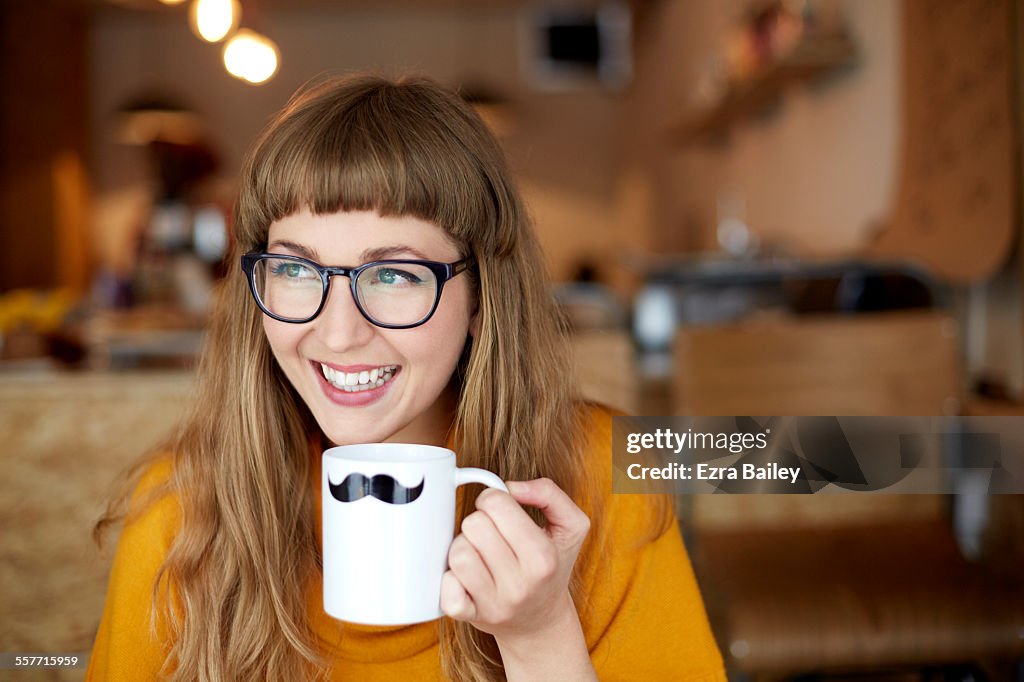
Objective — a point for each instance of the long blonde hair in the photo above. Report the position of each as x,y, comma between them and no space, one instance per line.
241,564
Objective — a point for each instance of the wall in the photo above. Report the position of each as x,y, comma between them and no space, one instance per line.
43,187
816,177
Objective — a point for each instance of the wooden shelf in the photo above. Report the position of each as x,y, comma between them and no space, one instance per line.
811,60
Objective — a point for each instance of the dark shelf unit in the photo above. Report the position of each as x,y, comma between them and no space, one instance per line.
811,61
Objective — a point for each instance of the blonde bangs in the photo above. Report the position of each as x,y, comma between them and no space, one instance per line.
375,146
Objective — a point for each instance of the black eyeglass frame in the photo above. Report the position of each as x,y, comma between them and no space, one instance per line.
442,272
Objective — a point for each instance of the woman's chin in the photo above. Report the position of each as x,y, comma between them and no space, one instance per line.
348,436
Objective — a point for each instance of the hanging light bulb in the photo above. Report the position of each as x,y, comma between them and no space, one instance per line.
251,57
213,20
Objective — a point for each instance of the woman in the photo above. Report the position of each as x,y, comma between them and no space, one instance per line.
217,572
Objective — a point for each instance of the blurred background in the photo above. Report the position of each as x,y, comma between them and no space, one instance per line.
749,207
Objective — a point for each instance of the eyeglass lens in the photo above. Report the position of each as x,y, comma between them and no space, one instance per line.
393,294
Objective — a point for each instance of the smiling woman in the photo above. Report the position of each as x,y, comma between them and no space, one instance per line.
446,335
346,333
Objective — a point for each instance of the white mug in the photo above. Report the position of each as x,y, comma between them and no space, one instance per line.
388,521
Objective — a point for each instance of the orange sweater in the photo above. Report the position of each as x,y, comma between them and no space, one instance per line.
646,620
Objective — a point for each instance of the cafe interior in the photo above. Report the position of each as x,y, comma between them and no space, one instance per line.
748,207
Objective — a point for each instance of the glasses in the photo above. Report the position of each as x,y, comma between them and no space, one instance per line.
394,294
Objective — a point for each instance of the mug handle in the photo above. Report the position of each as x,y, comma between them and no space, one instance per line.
466,475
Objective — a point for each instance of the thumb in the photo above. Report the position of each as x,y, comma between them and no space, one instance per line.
562,514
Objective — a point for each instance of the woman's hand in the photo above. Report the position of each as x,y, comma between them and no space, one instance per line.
510,578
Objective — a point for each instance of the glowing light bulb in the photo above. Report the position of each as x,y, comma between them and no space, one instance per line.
251,57
172,2
214,20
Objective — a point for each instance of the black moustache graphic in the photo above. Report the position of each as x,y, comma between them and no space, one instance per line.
383,487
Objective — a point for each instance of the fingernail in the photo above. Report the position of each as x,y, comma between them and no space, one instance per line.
516,486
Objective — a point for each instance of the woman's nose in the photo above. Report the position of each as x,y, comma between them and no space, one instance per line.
340,325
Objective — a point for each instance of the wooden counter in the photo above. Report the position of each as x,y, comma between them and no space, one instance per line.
66,438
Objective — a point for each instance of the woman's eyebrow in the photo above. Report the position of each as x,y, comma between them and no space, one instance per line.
385,252
303,251
377,253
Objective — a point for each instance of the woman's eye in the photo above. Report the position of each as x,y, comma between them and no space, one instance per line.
292,270
396,276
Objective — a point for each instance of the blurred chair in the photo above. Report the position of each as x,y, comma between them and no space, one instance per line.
803,584
605,369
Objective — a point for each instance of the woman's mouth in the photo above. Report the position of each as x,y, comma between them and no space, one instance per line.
365,379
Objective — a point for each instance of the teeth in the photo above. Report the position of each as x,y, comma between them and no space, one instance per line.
354,382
